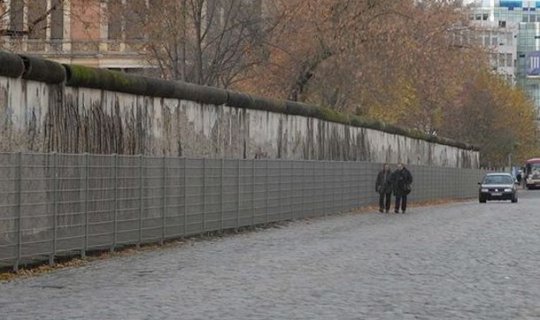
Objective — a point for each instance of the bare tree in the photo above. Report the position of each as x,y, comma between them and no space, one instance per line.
202,41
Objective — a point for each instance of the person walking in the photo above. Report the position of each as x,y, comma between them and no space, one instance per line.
401,181
383,186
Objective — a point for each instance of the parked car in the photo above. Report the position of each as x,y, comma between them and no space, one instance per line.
497,186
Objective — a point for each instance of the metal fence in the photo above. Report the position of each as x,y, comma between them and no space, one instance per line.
66,204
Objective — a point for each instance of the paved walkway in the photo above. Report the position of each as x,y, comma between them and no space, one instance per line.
461,261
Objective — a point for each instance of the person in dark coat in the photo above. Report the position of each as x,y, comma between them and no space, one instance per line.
383,186
401,181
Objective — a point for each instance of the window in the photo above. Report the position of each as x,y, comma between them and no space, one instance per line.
115,25
509,38
509,60
36,10
502,24
134,19
501,59
494,41
57,20
485,16
16,17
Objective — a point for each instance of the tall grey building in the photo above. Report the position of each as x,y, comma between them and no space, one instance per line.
512,25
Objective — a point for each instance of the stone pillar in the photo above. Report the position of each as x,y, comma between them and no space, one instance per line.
24,44
123,40
5,23
48,27
103,27
66,43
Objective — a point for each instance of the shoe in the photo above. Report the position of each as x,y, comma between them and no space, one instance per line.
381,210
396,211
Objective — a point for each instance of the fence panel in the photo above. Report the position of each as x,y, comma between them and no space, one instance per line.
174,198
34,205
128,200
231,193
194,184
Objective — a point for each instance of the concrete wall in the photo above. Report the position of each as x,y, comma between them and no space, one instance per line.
35,116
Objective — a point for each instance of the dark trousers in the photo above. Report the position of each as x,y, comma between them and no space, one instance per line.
384,200
401,200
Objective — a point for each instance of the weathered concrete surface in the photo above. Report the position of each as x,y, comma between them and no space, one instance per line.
41,117
461,261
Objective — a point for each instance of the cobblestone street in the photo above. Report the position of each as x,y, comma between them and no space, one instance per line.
457,261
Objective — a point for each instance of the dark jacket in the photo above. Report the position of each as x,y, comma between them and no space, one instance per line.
384,182
400,180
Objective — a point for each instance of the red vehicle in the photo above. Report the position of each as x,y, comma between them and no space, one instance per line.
532,173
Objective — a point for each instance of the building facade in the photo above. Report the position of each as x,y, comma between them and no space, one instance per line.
72,31
518,20
123,34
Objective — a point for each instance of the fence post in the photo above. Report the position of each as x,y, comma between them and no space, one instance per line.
185,197
334,186
342,206
141,202
280,185
18,182
86,194
302,185
292,191
55,206
266,193
238,196
115,222
164,198
358,191
252,192
221,192
325,188
314,189
204,197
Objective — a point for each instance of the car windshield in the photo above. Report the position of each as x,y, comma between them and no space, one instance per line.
498,180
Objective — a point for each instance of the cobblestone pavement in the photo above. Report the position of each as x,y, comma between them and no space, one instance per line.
459,261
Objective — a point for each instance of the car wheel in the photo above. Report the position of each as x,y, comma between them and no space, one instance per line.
482,200
514,199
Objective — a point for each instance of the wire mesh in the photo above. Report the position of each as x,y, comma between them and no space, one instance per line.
65,204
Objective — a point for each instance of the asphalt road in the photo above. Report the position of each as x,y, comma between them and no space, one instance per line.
458,261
